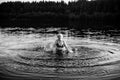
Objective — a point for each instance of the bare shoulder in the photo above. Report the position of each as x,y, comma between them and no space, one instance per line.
56,41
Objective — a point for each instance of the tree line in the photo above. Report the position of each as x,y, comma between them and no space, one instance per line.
81,12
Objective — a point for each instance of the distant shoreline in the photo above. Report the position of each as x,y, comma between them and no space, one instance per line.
79,14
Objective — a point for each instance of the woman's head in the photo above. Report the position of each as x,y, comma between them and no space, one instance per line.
60,36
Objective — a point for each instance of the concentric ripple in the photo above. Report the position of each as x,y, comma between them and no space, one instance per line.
93,59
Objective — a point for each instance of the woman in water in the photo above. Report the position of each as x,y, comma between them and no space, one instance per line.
60,46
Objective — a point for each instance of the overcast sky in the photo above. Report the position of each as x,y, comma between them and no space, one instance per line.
34,0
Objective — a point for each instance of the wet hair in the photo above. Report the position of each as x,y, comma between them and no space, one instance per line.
60,35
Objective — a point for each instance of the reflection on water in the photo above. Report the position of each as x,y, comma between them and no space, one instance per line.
26,54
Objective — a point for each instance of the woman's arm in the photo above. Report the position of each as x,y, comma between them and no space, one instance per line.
66,46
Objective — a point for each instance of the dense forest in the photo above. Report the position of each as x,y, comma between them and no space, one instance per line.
79,14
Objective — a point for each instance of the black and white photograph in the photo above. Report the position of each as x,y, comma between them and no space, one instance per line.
59,39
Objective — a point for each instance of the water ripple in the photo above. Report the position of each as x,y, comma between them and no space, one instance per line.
93,59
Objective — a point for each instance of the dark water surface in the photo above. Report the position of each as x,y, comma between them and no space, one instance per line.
25,54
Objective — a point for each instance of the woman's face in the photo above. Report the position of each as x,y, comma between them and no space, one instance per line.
60,37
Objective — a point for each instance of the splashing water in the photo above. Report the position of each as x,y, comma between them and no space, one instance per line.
28,56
